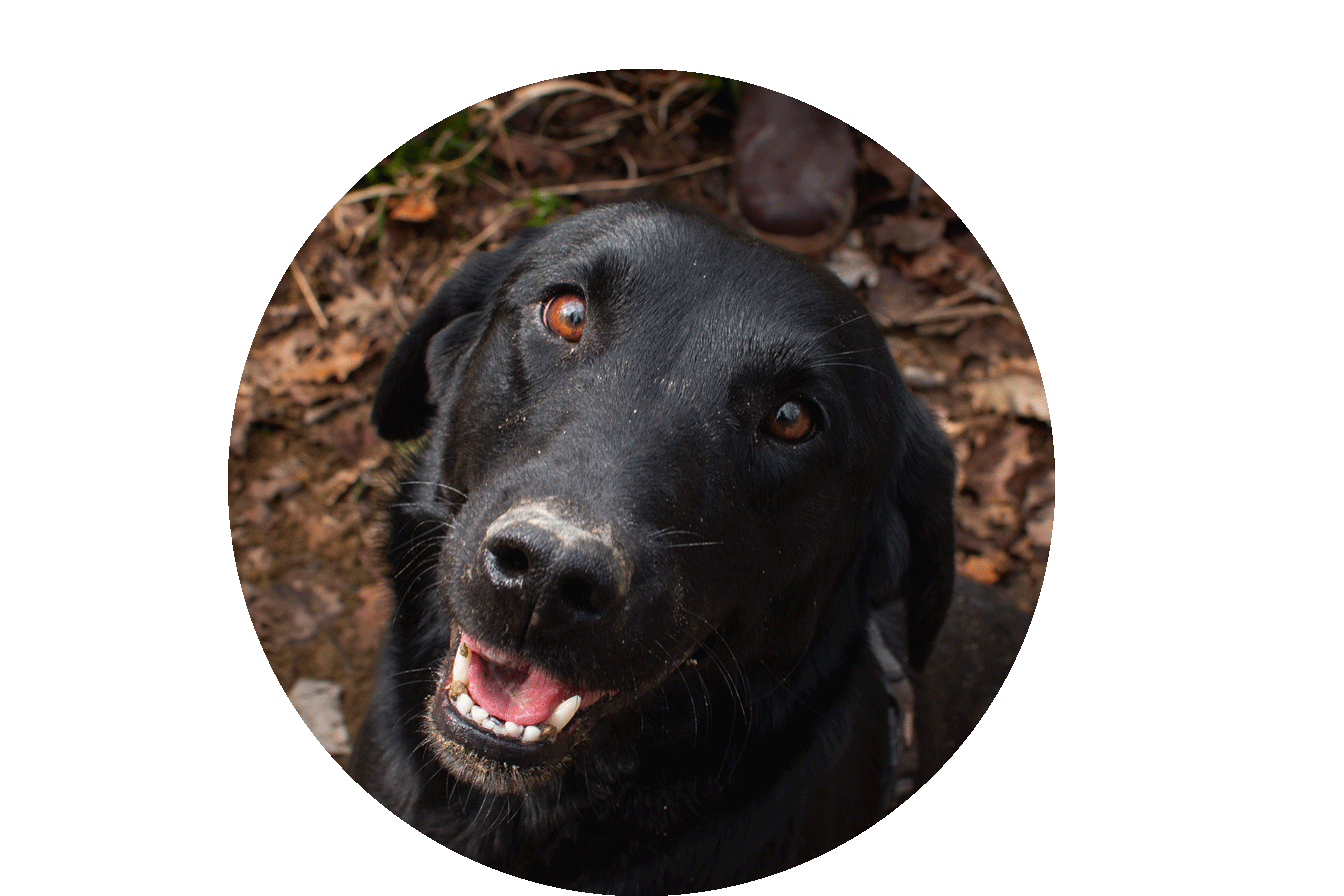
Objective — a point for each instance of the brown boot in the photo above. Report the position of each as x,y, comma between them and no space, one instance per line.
793,172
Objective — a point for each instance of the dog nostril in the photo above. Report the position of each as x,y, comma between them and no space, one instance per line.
579,594
511,561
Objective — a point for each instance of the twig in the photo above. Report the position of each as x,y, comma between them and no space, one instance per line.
525,95
461,161
938,314
688,115
378,191
636,182
308,296
676,89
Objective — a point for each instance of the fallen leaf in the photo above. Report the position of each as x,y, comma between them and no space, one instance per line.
908,233
291,611
1005,452
1041,526
342,358
1012,395
371,616
242,419
283,478
986,568
1040,490
854,267
532,157
897,173
357,307
895,298
319,705
329,492
415,207
994,336
988,521
321,529
930,261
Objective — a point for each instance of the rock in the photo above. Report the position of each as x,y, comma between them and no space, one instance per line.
319,705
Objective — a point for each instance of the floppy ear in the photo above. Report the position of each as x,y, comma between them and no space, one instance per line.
405,400
924,495
914,501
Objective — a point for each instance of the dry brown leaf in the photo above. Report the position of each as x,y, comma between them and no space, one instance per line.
272,360
319,705
1006,452
994,337
895,298
307,394
370,617
930,261
854,267
532,157
1040,490
1012,395
284,478
986,568
415,207
330,492
897,173
988,521
242,419
358,307
320,528
291,611
333,367
342,358
1041,526
908,233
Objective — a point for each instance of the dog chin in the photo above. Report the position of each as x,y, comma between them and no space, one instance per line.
489,773
537,723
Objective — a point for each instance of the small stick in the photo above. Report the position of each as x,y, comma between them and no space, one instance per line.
308,296
634,183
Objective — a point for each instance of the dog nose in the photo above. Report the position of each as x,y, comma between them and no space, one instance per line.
567,573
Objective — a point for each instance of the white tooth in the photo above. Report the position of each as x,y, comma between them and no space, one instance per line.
461,663
513,729
564,712
531,734
464,704
479,714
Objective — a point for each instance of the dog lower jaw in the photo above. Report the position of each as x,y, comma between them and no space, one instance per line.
539,721
493,762
493,776
459,698
497,756
504,757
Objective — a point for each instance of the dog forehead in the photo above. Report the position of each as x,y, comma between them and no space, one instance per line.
691,276
636,242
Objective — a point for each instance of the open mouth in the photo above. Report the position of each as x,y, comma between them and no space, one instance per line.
503,706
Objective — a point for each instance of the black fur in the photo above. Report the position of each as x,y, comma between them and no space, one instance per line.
746,727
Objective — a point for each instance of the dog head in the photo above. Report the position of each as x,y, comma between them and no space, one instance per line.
658,456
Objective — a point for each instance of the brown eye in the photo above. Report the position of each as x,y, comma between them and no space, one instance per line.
791,422
563,316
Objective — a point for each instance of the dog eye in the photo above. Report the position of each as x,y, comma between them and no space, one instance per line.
792,421
563,316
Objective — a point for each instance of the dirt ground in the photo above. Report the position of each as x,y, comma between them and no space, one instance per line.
308,476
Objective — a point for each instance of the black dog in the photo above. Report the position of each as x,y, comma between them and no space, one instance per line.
674,516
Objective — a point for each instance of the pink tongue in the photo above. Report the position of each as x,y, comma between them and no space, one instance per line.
517,693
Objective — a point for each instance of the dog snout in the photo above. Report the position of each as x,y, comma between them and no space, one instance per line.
567,573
